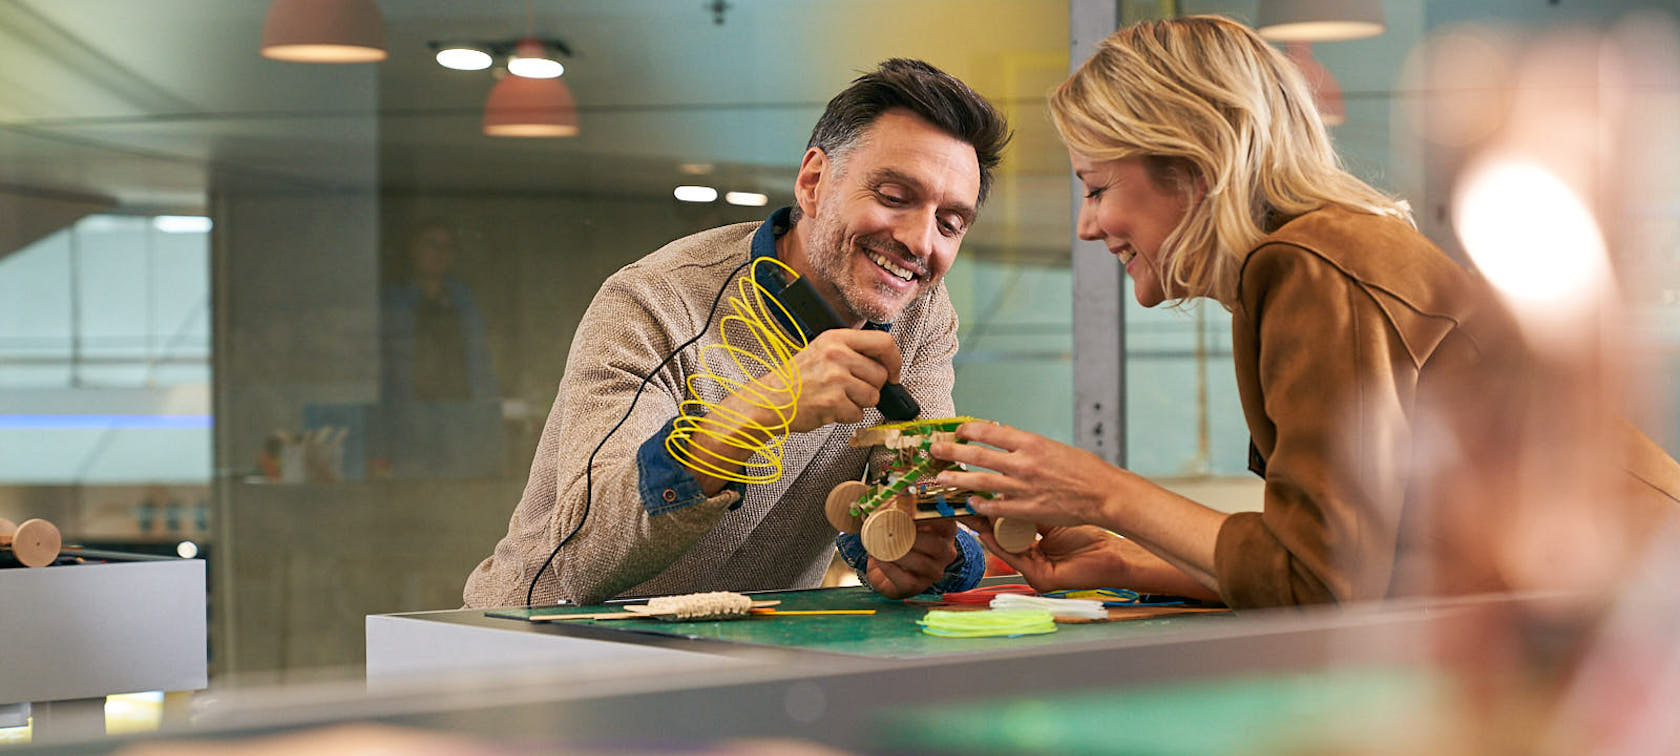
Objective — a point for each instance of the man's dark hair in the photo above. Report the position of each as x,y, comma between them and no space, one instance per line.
937,97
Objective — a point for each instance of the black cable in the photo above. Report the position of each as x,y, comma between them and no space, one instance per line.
589,466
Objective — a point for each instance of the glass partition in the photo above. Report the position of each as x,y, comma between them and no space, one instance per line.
333,380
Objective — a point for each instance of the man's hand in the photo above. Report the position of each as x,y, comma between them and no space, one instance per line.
934,550
841,373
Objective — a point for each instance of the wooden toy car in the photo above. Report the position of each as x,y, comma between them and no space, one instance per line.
885,510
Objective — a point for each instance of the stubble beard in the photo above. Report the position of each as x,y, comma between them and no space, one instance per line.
831,260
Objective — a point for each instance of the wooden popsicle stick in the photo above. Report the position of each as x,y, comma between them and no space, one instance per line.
596,616
804,612
627,614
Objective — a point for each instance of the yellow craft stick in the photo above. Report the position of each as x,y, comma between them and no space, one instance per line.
812,611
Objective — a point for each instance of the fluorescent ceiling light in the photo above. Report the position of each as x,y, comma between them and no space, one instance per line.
182,224
463,58
695,194
746,199
535,68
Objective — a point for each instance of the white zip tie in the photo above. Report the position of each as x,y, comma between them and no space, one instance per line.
1071,608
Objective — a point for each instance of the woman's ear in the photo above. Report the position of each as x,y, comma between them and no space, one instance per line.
1191,178
807,185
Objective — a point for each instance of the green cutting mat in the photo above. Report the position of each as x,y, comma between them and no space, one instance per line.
1360,709
891,632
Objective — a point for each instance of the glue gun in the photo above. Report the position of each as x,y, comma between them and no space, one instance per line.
816,315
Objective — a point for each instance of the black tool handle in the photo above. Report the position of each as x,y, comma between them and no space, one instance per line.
816,315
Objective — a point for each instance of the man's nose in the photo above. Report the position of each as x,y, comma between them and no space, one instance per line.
919,233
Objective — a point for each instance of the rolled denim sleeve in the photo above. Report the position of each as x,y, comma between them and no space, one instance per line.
667,486
962,574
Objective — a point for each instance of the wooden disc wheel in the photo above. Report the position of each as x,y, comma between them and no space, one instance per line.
888,534
35,543
1013,534
838,508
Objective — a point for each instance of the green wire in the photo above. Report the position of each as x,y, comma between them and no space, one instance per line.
990,623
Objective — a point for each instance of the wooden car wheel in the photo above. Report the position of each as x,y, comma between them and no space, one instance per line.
36,543
888,534
838,507
1014,534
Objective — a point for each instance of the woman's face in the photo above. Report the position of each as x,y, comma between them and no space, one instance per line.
1128,212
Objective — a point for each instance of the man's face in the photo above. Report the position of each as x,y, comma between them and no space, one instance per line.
432,252
887,218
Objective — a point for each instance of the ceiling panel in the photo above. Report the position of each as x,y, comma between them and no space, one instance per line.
143,100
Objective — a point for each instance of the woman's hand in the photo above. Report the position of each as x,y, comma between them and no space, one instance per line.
1066,558
1086,556
1035,479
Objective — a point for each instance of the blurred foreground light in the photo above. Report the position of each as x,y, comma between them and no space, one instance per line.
186,549
688,193
1531,234
182,224
463,58
746,199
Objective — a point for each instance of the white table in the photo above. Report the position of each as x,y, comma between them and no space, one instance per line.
74,634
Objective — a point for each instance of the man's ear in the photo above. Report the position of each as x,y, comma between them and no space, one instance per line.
808,184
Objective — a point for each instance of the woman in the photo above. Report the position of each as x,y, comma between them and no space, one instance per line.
1208,173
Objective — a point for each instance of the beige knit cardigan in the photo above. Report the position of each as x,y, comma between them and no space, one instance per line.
776,539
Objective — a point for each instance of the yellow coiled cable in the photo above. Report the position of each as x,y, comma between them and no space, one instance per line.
777,390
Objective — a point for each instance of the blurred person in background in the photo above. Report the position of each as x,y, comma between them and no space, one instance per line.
436,348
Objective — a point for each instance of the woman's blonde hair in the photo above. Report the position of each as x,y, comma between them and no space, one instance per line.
1207,94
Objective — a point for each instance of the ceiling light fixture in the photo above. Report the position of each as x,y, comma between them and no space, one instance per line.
1319,20
324,31
530,100
746,199
695,194
182,224
531,59
461,57
523,107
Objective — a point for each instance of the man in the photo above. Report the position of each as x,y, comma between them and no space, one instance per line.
893,177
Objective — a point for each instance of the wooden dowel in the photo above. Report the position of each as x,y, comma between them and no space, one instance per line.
35,543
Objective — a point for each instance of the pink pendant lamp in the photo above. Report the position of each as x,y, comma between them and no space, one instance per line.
520,106
324,31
